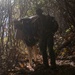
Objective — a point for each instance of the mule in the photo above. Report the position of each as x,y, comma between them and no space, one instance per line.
39,29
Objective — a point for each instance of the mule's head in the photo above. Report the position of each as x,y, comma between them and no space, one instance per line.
18,24
23,27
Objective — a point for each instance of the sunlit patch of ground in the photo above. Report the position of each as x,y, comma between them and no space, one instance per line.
64,67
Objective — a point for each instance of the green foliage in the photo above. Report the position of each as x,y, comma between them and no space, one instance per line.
30,12
68,30
15,9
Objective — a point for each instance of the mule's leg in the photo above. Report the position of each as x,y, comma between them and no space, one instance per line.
51,51
30,54
43,48
35,52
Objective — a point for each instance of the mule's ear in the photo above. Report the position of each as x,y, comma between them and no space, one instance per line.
22,21
15,21
16,24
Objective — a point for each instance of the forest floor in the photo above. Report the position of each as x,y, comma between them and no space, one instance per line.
65,66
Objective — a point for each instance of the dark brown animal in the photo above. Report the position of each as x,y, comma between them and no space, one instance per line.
40,29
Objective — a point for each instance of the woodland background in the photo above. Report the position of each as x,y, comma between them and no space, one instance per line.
10,10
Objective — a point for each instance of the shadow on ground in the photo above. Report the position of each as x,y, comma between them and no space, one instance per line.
41,70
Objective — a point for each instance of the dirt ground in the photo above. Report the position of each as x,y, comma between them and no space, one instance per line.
64,67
